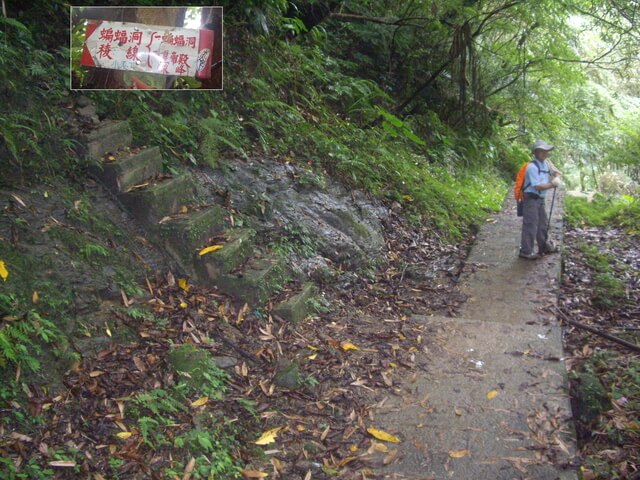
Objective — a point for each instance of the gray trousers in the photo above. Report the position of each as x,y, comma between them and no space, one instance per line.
534,225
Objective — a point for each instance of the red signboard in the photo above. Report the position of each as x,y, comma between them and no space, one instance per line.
148,48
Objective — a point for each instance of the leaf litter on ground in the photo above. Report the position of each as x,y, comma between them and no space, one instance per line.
347,356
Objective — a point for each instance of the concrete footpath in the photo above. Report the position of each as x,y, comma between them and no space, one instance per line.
493,403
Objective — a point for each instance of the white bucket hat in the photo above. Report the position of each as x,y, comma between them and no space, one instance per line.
541,145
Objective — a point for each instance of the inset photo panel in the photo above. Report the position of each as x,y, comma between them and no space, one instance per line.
146,48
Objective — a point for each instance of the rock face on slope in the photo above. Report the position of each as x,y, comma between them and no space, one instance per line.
344,226
267,224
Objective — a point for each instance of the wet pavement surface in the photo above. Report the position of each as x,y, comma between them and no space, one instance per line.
493,402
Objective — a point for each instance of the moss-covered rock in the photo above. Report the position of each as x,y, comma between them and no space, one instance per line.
288,375
195,365
259,280
296,308
184,235
151,204
109,136
130,170
235,250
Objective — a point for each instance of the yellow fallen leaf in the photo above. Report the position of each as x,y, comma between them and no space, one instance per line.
106,329
492,394
311,347
253,474
212,248
353,448
199,402
268,437
35,297
184,209
380,435
301,428
459,453
458,411
312,357
124,435
95,373
4,273
183,304
183,284
346,346
380,447
111,158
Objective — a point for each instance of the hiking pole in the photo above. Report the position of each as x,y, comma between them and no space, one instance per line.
553,199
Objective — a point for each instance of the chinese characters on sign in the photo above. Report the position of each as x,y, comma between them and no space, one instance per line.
148,48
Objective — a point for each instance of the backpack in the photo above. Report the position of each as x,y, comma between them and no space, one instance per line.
518,189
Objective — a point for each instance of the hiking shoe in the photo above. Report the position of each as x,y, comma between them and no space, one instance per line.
529,256
550,247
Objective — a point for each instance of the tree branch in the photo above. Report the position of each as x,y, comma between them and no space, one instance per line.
442,68
353,18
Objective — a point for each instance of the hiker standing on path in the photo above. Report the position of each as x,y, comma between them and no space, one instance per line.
538,179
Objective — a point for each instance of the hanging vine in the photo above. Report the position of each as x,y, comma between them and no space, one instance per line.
465,66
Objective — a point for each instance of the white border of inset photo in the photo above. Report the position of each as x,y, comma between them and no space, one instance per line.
126,76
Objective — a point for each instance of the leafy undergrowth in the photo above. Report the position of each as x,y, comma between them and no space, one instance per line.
600,289
128,413
621,210
301,104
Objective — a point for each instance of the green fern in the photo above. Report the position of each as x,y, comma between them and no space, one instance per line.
147,425
21,340
159,402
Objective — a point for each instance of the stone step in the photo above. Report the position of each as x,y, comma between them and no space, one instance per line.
184,235
236,248
259,280
150,205
297,308
109,136
129,170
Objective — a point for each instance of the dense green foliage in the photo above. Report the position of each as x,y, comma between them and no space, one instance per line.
30,135
359,91
604,211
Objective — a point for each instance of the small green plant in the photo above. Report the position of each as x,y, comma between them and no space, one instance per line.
310,381
158,402
128,284
219,134
319,304
21,339
115,464
609,290
249,405
215,441
31,470
141,313
93,250
149,429
153,411
296,239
